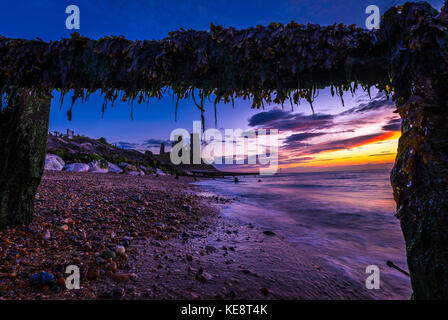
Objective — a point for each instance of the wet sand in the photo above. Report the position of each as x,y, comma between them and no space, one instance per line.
231,260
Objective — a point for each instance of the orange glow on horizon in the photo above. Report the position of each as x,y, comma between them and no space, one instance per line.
386,136
378,150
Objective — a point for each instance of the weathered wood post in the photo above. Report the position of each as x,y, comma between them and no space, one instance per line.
420,184
420,176
23,138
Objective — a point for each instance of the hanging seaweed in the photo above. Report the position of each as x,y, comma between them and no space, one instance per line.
234,63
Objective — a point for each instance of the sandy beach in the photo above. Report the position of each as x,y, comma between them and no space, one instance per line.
177,246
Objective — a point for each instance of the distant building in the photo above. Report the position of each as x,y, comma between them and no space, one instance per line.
70,134
162,148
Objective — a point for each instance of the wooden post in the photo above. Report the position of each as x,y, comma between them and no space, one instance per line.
23,138
420,183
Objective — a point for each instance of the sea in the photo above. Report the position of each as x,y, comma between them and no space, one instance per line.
346,218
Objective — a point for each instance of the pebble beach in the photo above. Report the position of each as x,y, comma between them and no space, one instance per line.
149,237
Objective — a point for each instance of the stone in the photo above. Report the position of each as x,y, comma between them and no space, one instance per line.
113,168
264,291
42,279
269,233
186,208
121,277
54,162
46,235
159,225
99,261
204,277
146,170
160,172
118,292
109,255
77,167
125,165
112,266
120,250
98,166
93,274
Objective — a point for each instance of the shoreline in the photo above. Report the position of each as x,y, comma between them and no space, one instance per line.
178,245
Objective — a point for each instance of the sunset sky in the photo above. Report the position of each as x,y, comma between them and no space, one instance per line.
363,133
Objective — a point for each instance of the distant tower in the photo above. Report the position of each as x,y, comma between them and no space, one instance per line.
70,134
162,148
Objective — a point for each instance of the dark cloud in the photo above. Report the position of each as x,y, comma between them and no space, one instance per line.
267,117
155,142
303,136
378,102
127,145
143,146
393,125
334,145
288,121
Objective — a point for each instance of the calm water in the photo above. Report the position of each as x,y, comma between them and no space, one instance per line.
345,218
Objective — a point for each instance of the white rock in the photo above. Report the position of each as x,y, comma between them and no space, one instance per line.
136,173
120,250
160,172
95,166
77,167
113,168
54,162
123,164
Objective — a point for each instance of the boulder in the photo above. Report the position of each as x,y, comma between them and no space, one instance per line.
136,173
98,166
127,166
160,172
42,279
77,167
113,168
146,170
54,162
